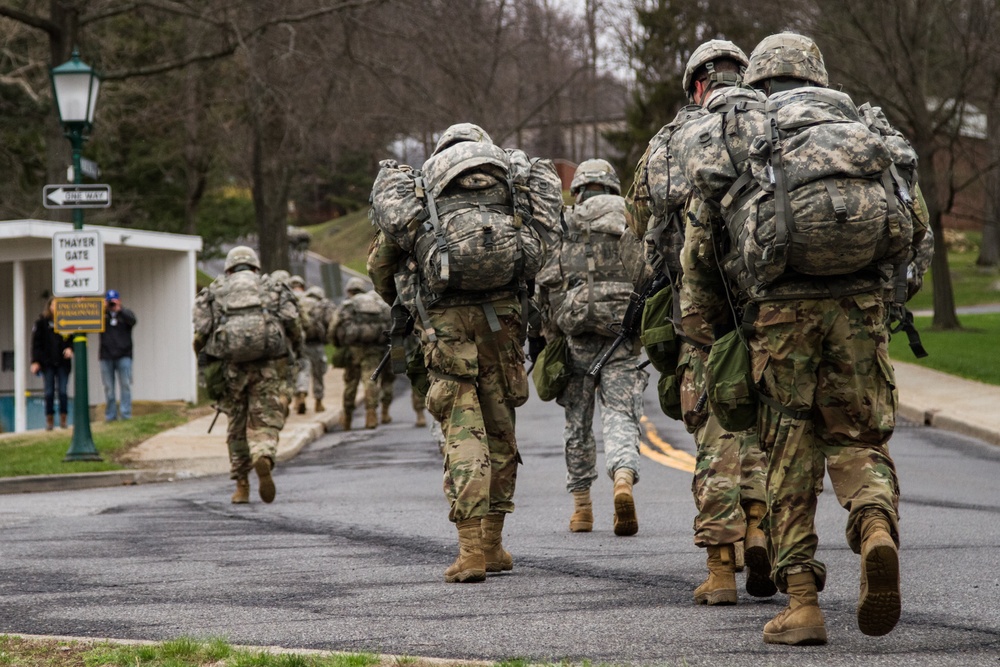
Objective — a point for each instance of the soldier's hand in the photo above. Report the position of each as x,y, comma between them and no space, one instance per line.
535,346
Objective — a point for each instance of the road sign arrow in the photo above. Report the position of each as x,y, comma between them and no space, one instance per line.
57,196
64,323
72,269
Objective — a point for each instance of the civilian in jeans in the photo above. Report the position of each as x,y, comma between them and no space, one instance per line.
116,357
52,357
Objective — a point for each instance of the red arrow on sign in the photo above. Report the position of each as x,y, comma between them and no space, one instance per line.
74,269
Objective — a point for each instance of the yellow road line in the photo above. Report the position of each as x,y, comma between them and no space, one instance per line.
662,452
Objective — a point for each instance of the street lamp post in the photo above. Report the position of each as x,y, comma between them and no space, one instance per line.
75,86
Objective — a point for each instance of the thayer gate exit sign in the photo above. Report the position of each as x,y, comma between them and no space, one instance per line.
77,263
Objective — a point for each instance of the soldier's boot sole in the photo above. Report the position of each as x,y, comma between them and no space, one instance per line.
267,490
626,522
467,575
758,567
802,627
879,604
717,597
581,522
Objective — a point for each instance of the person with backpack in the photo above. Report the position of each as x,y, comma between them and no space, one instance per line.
583,288
359,325
458,242
802,220
52,358
318,315
251,323
728,483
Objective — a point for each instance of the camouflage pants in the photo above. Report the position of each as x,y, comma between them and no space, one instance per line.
311,366
620,386
387,384
256,404
826,360
362,360
729,468
477,378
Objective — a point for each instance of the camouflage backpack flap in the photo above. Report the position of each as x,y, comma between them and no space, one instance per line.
819,198
320,312
596,288
668,188
247,326
537,193
397,206
472,240
362,319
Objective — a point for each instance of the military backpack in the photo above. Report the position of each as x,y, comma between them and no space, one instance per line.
246,325
362,319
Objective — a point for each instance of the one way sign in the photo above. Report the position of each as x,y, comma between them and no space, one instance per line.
76,196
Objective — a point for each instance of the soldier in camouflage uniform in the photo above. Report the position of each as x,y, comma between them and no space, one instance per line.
281,279
473,350
728,484
818,350
255,398
364,347
587,260
319,313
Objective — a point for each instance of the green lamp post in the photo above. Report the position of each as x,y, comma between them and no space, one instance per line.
75,86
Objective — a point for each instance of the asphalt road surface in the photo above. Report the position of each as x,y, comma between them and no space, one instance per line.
351,557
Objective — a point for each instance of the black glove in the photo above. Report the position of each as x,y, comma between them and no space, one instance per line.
535,346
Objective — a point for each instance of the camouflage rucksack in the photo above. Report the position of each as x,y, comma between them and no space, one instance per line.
362,319
246,325
819,198
595,288
319,312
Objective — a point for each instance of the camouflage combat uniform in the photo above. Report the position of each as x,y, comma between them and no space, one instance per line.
730,467
620,385
818,348
362,358
320,312
255,398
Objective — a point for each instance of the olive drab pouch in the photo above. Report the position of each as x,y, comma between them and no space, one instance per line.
820,198
247,327
657,332
214,376
339,357
668,389
551,374
732,396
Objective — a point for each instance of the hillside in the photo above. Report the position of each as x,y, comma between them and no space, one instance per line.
344,240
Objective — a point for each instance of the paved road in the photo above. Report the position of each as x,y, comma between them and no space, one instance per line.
351,556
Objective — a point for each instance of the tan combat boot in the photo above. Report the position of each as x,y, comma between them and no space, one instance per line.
470,566
242,494
582,520
345,420
50,420
319,406
371,417
300,403
626,522
497,558
421,420
879,604
720,587
385,415
758,565
801,622
263,467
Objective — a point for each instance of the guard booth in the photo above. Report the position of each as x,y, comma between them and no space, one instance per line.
155,274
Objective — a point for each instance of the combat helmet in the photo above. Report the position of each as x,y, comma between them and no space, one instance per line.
705,55
595,171
355,285
280,276
788,55
297,281
461,132
316,291
241,254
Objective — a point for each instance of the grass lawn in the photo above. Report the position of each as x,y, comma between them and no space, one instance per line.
42,452
969,353
344,240
972,285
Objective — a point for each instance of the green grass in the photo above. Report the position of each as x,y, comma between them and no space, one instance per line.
183,652
972,285
41,453
970,352
344,240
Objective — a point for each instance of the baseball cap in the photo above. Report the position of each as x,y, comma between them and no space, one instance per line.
113,295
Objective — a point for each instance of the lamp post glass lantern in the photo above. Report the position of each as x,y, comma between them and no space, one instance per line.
75,86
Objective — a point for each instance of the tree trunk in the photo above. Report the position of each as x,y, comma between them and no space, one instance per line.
270,193
944,295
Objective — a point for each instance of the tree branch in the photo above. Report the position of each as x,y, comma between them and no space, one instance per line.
29,19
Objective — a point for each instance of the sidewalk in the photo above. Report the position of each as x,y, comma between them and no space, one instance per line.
925,396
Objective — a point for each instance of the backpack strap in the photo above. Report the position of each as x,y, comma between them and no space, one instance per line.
784,222
434,224
588,251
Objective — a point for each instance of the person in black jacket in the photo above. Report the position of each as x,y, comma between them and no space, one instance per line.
116,357
52,357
